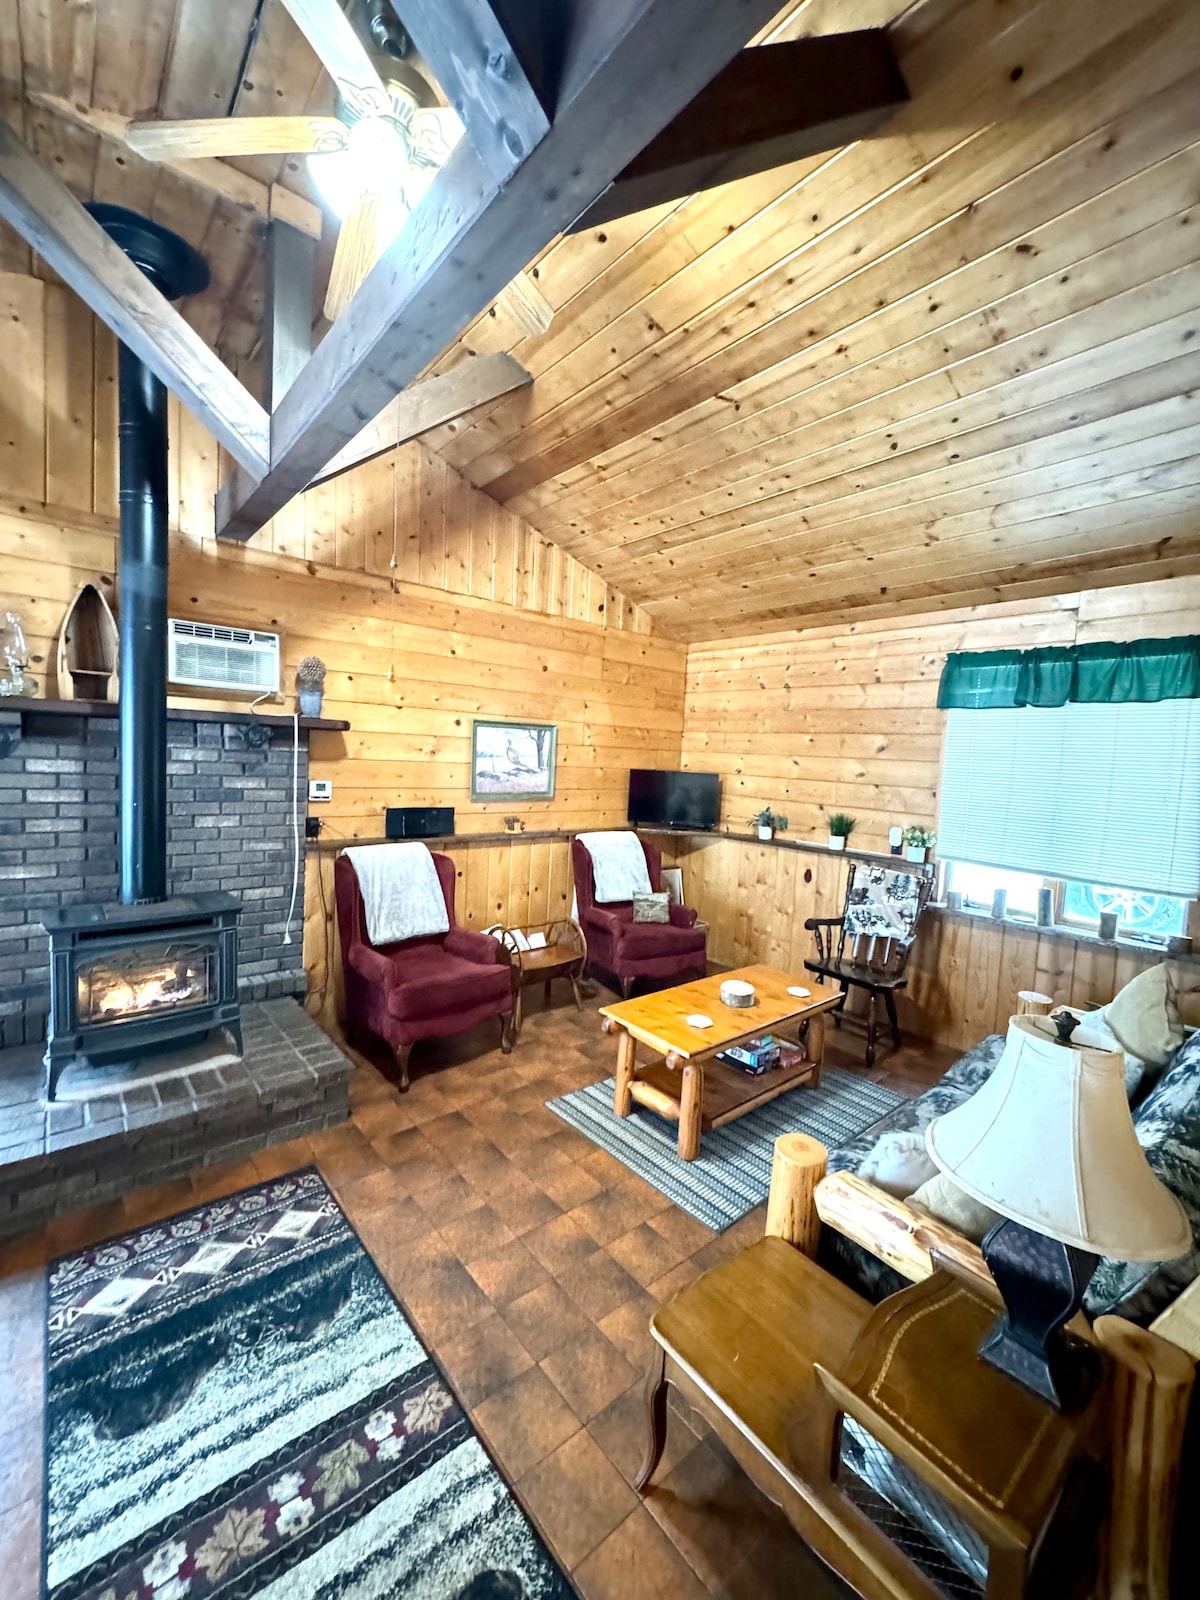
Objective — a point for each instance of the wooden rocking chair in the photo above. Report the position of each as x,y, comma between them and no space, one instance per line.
875,933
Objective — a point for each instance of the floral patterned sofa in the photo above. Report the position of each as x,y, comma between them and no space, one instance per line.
1167,1119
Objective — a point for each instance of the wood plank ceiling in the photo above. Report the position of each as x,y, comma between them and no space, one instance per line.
954,363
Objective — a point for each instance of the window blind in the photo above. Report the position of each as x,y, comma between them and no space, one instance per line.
1105,794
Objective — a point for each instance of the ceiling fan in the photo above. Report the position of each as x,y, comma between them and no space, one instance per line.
372,161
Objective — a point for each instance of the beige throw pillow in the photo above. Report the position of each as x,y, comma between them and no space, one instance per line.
1145,1016
652,907
898,1161
942,1198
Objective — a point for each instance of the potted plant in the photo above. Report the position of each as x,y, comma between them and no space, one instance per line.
917,841
768,823
310,682
840,828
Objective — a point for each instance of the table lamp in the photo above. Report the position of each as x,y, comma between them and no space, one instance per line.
1049,1143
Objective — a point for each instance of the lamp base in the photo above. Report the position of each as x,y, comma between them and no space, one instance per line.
1042,1283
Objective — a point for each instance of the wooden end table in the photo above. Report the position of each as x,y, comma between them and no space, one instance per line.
685,1083
564,955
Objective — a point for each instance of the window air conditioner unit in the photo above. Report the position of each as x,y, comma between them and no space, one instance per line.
203,655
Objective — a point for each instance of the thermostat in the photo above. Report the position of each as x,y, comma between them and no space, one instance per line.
320,788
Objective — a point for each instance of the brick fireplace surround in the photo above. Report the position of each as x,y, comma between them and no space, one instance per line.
229,827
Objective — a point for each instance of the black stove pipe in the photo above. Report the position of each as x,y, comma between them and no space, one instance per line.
175,269
142,430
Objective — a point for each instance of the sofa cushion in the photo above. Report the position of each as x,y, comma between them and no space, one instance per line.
944,1200
641,941
851,1262
1168,1130
1144,1015
433,983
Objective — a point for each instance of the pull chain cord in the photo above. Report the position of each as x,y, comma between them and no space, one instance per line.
287,928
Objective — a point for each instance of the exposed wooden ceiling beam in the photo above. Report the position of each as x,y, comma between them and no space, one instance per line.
268,200
625,72
430,403
468,48
47,216
288,315
772,104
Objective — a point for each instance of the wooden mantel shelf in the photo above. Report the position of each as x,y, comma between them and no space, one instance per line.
175,713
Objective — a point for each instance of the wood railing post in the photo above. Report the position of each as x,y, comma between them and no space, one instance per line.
798,1166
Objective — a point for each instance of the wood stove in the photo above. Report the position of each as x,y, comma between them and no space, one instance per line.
131,979
128,981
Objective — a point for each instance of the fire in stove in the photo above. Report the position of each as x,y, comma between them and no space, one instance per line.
144,980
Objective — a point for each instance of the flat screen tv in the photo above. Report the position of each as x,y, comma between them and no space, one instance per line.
674,799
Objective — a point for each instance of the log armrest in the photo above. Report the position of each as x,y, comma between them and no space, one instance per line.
914,1244
467,945
373,965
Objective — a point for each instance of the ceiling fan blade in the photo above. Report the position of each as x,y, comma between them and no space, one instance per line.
234,136
357,249
343,54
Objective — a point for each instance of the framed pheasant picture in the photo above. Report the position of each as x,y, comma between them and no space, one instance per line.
513,760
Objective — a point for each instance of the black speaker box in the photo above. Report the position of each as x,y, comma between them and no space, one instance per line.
418,822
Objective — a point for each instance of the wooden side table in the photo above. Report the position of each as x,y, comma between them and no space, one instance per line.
564,955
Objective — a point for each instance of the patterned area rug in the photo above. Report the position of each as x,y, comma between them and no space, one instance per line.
732,1174
237,1407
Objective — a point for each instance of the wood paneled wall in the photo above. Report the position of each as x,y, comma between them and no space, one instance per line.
430,604
965,970
846,719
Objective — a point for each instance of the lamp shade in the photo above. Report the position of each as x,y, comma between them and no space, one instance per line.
1049,1142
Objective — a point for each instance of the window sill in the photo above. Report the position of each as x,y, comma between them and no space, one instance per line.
1062,931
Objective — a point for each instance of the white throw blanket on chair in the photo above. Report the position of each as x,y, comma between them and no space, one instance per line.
619,868
402,896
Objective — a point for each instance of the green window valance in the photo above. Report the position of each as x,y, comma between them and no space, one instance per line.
1093,674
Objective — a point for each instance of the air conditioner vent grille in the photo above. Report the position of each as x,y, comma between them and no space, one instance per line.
205,655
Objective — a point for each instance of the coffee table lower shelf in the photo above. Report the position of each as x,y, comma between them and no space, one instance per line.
727,1095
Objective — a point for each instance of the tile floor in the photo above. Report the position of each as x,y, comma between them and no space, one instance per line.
530,1261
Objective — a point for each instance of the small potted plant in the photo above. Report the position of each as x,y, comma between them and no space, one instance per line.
917,842
310,682
840,828
768,823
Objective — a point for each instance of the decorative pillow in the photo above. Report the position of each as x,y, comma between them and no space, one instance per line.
942,1198
1095,1031
1168,1130
898,1162
1145,1016
652,907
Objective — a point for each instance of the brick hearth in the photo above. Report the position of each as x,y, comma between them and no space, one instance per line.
292,1080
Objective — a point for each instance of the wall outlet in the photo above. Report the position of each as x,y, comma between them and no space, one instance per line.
312,827
320,788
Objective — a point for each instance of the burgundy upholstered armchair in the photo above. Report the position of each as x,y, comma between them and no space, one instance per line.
628,950
420,988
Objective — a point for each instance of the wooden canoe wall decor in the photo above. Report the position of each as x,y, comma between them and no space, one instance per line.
87,646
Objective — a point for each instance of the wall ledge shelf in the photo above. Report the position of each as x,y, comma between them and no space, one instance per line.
1059,930
806,846
176,712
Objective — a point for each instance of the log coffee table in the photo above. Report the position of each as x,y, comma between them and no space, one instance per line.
685,1083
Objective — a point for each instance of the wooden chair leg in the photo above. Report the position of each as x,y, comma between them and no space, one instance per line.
837,1011
626,988
403,1051
889,1000
872,1026
655,1395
